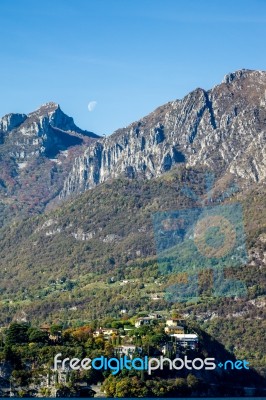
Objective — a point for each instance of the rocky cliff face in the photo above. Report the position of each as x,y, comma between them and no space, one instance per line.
223,128
44,155
11,121
45,131
36,152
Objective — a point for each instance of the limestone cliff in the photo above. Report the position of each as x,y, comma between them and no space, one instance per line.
36,152
223,128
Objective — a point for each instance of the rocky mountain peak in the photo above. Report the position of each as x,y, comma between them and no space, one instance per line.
242,74
46,130
11,121
236,75
223,129
37,150
45,109
50,114
50,105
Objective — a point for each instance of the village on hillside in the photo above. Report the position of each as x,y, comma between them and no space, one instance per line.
34,349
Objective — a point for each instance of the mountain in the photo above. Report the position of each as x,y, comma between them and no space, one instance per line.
222,129
95,254
36,152
45,157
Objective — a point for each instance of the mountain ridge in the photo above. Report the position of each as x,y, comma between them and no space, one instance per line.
222,128
95,254
215,128
36,152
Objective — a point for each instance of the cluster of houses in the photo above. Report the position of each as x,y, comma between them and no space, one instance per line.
174,327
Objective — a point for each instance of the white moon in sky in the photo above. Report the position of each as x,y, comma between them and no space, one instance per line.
92,105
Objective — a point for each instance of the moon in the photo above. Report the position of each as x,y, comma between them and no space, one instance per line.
92,105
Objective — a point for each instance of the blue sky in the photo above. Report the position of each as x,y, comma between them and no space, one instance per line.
128,56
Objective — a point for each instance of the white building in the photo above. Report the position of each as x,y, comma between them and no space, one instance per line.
127,350
186,340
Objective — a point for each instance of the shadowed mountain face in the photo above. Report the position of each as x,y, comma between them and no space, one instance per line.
36,152
222,129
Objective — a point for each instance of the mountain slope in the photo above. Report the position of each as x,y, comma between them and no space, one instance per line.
36,152
111,227
222,128
95,256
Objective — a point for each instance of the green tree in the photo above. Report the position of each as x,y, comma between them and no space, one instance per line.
17,333
37,336
56,329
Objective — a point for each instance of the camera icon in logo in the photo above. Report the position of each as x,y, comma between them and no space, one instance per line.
192,240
